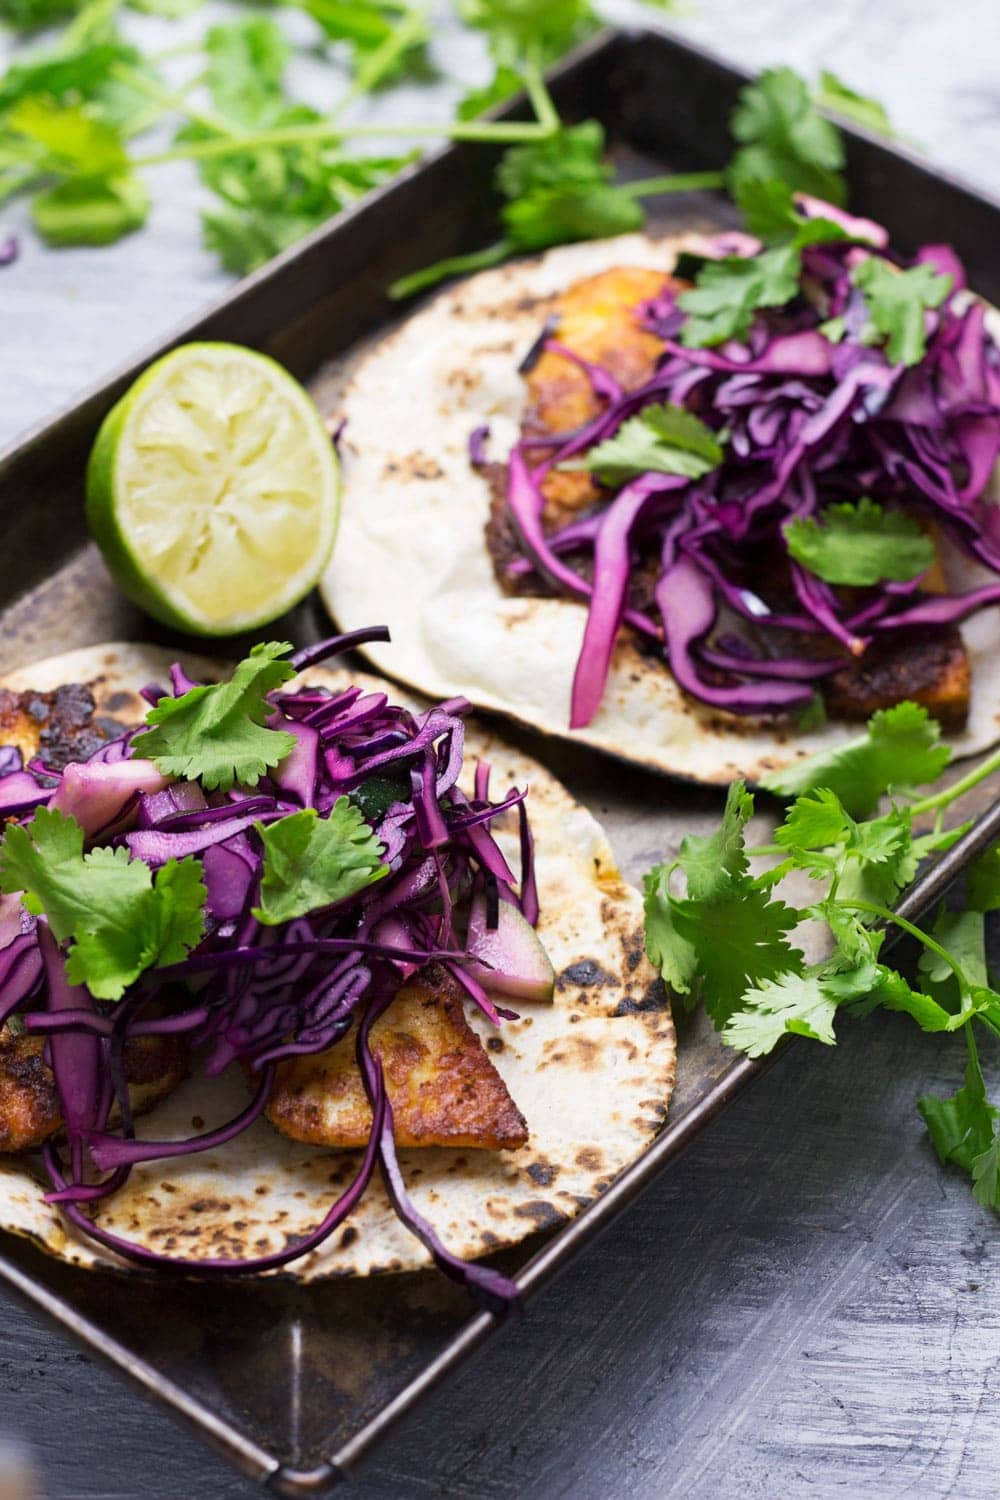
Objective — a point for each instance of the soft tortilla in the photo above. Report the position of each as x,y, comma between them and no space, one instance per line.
592,1072
411,551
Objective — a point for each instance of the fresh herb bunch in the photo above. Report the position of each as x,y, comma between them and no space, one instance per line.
71,112
724,936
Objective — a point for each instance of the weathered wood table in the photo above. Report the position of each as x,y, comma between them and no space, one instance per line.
805,1305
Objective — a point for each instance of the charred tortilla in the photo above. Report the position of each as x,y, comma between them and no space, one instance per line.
415,517
591,1072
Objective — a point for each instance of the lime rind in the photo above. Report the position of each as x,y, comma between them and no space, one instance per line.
213,490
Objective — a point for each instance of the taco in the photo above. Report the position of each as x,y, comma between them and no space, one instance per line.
517,1046
571,516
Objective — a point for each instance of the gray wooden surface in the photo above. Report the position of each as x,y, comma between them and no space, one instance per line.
805,1305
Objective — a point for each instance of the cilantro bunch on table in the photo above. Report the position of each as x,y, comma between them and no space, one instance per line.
73,115
723,930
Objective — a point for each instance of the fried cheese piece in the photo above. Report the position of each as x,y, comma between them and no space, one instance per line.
29,1101
442,1086
597,319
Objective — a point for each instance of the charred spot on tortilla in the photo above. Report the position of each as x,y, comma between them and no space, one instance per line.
443,1089
54,727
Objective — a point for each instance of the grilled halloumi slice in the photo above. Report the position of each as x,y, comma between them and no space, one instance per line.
442,1086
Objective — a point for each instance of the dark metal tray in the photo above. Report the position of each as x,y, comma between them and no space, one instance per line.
296,1384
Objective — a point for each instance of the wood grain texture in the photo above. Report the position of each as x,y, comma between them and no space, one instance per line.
805,1305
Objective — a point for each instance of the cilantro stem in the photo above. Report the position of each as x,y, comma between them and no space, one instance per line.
455,265
916,932
408,32
167,98
958,788
297,135
676,182
537,90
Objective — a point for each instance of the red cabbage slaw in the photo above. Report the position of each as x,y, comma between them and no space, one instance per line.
809,416
264,993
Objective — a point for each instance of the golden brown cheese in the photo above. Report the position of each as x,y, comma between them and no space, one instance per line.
442,1086
29,1102
597,319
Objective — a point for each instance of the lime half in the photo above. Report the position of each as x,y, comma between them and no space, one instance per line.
213,490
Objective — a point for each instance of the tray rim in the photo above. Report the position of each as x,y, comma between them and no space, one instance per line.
225,1436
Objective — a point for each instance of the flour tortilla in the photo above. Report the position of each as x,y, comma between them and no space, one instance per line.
592,1072
411,552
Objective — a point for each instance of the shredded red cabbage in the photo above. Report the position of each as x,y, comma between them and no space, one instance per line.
256,993
810,413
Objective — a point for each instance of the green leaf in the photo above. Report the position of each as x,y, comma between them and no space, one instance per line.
782,136
712,861
563,215
31,15
67,138
217,734
814,821
118,919
860,544
245,63
739,940
667,950
964,1129
372,29
833,94
791,1003
728,292
982,882
519,29
901,749
771,214
893,993
311,862
897,302
91,210
663,439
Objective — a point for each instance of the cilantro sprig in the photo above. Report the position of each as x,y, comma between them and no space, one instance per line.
217,733
311,862
722,933
661,439
119,918
860,545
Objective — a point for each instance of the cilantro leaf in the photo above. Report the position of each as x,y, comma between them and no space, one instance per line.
860,544
373,30
727,933
518,29
790,1003
244,66
67,138
897,301
782,136
964,1130
709,861
832,93
728,292
900,749
664,439
217,734
771,214
311,862
982,881
91,210
739,940
119,920
559,189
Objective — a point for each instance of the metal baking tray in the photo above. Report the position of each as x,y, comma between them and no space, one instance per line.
296,1384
